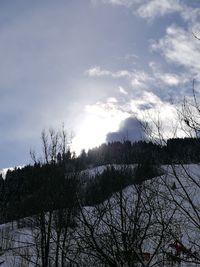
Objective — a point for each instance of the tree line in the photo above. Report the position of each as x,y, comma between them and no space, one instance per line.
27,190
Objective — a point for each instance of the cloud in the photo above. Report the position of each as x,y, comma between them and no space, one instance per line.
122,90
112,100
97,71
127,3
151,9
129,129
146,100
180,47
98,119
151,79
157,8
149,108
170,79
160,115
143,104
137,78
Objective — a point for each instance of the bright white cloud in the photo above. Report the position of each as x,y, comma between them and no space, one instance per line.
157,8
170,79
160,115
122,90
179,46
141,102
127,3
100,119
140,79
112,100
145,98
105,117
97,71
137,78
151,9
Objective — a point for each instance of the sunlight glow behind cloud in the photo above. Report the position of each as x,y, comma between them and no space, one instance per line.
100,119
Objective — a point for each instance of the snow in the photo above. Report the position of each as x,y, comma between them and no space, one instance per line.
4,171
188,178
91,172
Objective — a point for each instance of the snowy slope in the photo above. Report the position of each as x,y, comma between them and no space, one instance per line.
91,172
171,187
180,190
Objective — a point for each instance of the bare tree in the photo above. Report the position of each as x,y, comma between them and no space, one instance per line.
55,146
182,185
129,229
52,227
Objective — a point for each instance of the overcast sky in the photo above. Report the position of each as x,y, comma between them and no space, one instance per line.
91,64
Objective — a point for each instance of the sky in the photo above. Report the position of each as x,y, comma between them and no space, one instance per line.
98,66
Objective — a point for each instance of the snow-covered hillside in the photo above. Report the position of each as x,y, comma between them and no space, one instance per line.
171,199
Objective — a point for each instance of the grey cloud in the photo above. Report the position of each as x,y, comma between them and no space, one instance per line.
145,106
130,129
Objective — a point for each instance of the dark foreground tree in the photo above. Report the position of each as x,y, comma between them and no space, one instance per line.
182,185
49,239
131,228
